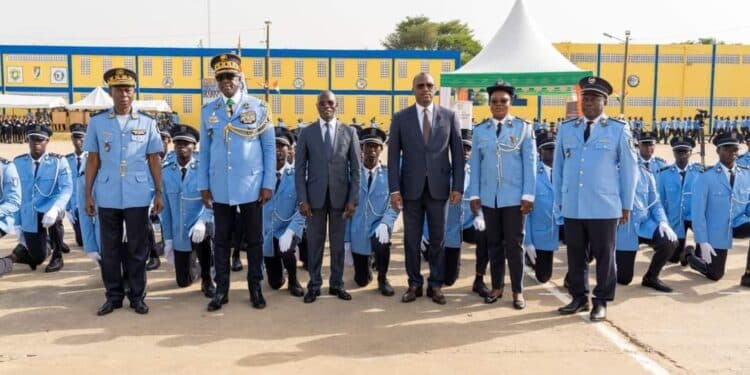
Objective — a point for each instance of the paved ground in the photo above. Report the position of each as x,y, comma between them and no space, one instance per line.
48,323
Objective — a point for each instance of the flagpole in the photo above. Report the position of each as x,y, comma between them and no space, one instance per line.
268,59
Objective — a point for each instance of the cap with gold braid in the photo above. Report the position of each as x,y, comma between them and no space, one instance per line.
119,77
226,63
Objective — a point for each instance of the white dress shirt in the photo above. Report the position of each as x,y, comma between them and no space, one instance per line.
430,113
323,129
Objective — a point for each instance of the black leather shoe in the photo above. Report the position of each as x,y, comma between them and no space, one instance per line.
311,295
385,288
236,264
65,248
479,287
140,307
576,305
208,288
340,293
436,295
256,297
599,312
295,288
216,303
492,298
745,280
108,307
411,294
55,263
153,263
655,283
686,254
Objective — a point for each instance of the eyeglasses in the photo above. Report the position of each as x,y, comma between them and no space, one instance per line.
223,76
500,101
324,103
428,85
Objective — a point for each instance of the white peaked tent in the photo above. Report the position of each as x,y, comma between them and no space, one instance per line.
152,105
31,101
521,55
97,99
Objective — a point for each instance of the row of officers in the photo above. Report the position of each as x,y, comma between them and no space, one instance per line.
514,193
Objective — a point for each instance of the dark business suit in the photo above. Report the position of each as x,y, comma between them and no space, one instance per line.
422,173
327,184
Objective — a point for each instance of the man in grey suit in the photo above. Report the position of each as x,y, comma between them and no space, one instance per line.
426,167
327,181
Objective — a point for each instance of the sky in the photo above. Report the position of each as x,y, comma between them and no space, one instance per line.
341,24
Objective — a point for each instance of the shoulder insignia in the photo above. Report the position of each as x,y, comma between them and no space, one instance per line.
660,159
383,166
569,121
665,168
54,155
145,114
4,160
100,112
621,122
70,155
743,167
697,167
22,156
166,164
289,171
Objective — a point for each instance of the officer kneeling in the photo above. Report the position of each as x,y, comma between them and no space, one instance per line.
185,221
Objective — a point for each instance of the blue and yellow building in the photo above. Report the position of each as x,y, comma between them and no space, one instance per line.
664,80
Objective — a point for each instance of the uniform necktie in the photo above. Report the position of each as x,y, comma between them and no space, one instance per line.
230,103
426,127
78,164
731,178
682,177
369,179
278,181
183,170
587,131
36,167
327,140
647,164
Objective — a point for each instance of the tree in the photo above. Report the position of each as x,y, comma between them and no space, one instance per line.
422,34
708,41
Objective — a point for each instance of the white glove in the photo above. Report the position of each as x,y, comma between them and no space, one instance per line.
706,252
94,256
285,241
198,231
348,257
50,217
381,233
531,253
666,231
169,251
71,217
124,233
424,244
19,236
479,224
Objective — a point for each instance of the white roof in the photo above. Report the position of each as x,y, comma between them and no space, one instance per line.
30,101
152,105
518,47
97,99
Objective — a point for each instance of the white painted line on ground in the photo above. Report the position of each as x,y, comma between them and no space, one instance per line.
607,331
80,291
73,271
455,294
157,298
732,292
665,294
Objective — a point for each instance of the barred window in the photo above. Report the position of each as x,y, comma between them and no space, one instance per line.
424,66
695,102
166,66
276,68
728,59
668,102
299,68
582,58
85,66
276,104
258,68
446,66
699,59
361,68
322,68
148,97
385,105
340,104
35,58
168,99
187,67
671,59
612,58
148,68
641,59
725,102
385,68
339,68
107,63
299,104
745,102
403,102
187,104
130,62
746,59
638,101
553,100
403,69
361,110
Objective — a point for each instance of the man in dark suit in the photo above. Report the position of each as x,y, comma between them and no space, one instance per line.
425,156
327,182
